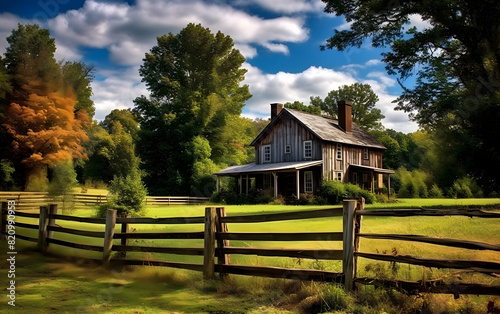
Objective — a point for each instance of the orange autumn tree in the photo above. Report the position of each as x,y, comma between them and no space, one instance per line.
46,130
39,115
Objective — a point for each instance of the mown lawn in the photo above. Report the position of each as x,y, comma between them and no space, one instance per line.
179,284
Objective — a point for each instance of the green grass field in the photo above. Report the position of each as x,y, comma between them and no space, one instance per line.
174,290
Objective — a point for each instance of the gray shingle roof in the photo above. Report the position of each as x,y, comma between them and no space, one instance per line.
277,166
327,129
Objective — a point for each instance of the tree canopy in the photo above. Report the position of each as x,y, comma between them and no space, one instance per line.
41,123
363,98
456,60
194,79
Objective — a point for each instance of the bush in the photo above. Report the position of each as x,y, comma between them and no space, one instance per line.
254,197
435,192
412,184
465,188
335,191
127,196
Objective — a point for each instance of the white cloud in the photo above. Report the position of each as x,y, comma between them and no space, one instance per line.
8,22
130,31
372,62
317,81
117,91
417,21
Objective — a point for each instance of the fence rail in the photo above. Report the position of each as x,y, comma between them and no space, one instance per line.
33,200
217,239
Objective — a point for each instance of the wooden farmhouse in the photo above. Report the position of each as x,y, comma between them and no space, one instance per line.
297,150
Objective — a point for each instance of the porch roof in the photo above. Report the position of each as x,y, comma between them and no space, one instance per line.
271,167
376,170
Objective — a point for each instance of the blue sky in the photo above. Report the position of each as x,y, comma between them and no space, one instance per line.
280,40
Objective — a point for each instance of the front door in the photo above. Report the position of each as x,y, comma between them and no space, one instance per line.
289,184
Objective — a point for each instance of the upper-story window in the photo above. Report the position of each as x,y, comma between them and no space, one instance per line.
266,153
366,154
287,149
308,149
339,151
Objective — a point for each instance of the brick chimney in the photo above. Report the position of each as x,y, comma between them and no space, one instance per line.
275,110
345,115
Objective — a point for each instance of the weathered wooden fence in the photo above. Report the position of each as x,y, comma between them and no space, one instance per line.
217,237
33,200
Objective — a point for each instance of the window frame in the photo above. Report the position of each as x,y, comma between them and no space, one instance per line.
339,149
310,150
288,149
308,186
339,174
264,147
366,153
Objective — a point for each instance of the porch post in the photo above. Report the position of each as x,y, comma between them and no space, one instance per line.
275,185
218,184
247,184
298,184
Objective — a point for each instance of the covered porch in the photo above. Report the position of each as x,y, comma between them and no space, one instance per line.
286,178
370,178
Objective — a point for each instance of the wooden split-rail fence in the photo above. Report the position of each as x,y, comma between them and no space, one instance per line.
33,200
217,250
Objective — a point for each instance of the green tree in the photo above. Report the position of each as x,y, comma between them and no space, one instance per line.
194,79
297,105
63,182
457,65
5,86
364,113
126,118
77,76
110,154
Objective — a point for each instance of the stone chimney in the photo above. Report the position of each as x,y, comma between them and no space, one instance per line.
275,110
345,115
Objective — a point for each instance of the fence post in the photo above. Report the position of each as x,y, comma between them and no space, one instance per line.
209,244
3,218
108,235
124,240
42,228
222,257
52,221
348,243
357,229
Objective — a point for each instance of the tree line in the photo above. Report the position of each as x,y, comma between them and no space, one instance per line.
170,142
190,124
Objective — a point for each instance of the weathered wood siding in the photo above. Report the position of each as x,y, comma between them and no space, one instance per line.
353,155
288,131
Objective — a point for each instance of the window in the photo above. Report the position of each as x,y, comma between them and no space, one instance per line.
308,182
366,154
339,151
308,149
287,149
266,153
339,176
355,177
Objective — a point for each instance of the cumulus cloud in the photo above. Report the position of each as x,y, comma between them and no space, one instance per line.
8,22
128,31
117,90
284,87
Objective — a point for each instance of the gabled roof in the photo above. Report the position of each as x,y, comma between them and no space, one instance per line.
325,129
277,166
